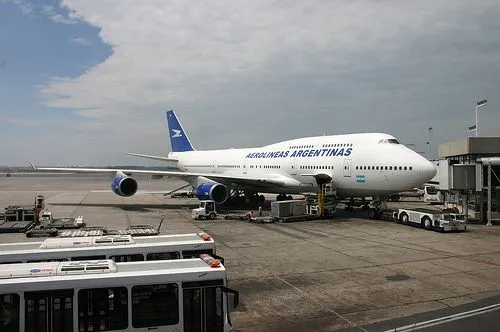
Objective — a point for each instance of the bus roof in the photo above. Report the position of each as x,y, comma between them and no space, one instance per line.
92,269
109,240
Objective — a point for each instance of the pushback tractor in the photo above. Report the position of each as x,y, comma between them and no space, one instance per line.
432,220
101,295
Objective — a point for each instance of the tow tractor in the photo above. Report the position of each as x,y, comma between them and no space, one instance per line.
205,211
431,219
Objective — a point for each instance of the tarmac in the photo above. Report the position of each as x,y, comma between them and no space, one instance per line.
347,273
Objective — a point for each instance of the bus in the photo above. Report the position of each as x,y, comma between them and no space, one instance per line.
120,248
102,295
433,195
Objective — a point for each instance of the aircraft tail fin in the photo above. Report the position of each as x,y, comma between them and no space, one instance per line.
178,137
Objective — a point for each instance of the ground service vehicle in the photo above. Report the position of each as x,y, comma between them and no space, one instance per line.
433,195
120,248
101,295
432,220
205,211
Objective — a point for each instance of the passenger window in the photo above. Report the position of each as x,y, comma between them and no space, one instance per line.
155,305
195,253
9,312
405,168
127,258
390,168
48,260
411,168
162,256
400,168
102,309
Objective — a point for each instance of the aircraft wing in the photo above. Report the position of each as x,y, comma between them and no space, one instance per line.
263,181
152,157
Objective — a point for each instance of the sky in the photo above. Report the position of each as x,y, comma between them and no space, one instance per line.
83,82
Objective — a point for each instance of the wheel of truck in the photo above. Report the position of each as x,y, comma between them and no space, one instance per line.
427,223
211,215
403,218
372,213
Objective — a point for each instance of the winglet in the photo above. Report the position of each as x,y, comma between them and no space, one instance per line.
32,165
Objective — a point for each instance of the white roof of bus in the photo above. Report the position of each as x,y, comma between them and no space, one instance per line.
110,240
104,268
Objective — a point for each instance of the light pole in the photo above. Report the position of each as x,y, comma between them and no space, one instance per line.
430,143
479,104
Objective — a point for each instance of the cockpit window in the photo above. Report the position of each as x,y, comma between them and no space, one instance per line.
390,140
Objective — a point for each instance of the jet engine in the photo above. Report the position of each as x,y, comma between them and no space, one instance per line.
214,191
124,186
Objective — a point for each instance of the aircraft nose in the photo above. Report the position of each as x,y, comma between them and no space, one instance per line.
428,170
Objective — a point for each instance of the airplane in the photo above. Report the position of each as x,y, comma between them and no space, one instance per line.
358,165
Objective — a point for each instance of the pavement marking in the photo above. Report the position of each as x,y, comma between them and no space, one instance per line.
304,294
446,319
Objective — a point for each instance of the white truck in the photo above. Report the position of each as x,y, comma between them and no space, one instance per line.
431,219
206,210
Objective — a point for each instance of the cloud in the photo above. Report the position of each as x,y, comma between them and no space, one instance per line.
81,41
55,14
50,12
282,69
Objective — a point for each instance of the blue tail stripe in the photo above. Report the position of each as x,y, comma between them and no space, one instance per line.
178,138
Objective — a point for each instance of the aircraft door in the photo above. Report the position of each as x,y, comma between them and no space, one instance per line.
293,167
347,167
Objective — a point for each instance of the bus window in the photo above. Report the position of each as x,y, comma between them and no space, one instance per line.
162,256
48,260
127,258
155,305
88,258
9,312
431,190
196,253
49,311
102,309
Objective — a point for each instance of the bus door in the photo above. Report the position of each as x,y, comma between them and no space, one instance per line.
203,306
49,311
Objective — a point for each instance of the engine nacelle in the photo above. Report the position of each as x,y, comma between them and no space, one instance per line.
124,186
214,191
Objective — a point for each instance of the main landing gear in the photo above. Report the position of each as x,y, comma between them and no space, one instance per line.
239,198
284,197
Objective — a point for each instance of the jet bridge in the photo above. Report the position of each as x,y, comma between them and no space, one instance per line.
470,167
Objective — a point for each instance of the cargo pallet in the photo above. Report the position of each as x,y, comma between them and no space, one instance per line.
16,226
138,230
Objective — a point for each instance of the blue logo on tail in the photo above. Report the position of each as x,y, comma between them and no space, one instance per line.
178,138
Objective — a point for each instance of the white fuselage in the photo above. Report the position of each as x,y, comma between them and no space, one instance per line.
368,164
